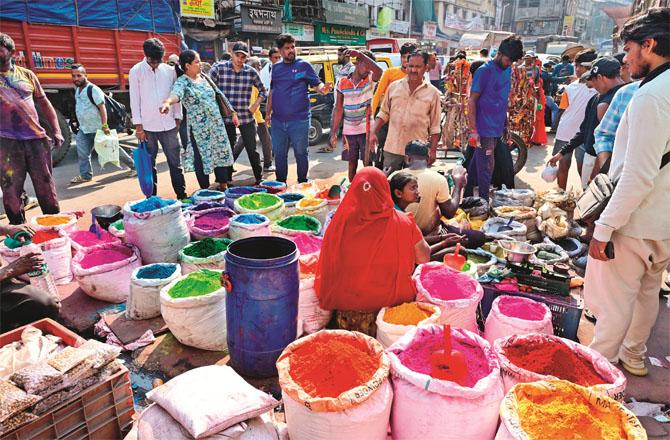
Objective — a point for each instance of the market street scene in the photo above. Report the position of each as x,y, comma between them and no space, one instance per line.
335,219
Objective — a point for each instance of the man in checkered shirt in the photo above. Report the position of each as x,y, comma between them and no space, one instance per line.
235,79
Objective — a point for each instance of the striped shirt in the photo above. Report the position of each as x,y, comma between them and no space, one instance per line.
237,88
357,99
606,130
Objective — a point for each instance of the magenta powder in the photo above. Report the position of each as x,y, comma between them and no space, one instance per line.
416,357
98,257
212,221
522,308
446,284
307,243
88,239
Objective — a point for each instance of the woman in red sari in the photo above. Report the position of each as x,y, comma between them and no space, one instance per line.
368,255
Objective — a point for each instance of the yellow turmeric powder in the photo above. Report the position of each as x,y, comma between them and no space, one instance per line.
53,220
406,314
308,203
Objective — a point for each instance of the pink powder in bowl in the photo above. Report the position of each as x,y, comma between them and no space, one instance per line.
416,357
213,220
445,283
98,257
88,239
307,243
522,308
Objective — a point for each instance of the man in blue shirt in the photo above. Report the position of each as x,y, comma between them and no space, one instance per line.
563,71
487,112
288,107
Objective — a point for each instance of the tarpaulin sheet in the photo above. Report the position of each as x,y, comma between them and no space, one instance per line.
142,15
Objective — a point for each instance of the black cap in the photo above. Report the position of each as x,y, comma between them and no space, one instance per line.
607,66
586,58
241,47
416,148
620,56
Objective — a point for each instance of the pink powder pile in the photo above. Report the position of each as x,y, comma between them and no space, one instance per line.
88,239
307,243
521,308
444,283
213,220
98,257
416,357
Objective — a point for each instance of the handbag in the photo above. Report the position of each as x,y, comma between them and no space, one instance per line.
597,195
224,105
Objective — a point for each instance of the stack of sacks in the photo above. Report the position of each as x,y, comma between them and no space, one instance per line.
212,402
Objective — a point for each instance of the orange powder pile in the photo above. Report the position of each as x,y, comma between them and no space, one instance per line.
53,220
330,366
406,314
565,414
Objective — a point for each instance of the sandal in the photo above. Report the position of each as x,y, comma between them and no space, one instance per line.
325,150
79,179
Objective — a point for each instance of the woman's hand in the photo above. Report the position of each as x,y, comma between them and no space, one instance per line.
165,107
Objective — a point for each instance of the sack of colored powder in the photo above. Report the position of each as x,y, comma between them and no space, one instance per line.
522,214
208,195
455,293
549,253
146,283
501,229
57,251
296,224
86,239
194,309
481,259
515,315
269,205
427,407
117,230
64,221
208,253
248,225
159,234
104,272
317,208
311,317
394,322
273,186
335,386
559,410
236,192
535,357
212,223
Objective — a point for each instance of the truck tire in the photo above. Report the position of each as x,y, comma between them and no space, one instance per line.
315,131
57,155
519,152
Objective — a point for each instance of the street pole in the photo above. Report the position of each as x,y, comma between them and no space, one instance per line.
409,31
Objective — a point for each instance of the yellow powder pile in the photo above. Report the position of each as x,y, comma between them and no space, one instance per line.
406,314
309,203
53,220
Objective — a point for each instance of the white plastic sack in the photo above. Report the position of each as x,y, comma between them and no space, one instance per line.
492,228
11,255
501,325
144,300
191,264
58,257
68,227
118,233
311,317
549,173
388,334
107,147
319,211
239,230
154,423
107,282
208,195
513,197
158,234
199,233
458,312
273,212
429,408
197,321
554,249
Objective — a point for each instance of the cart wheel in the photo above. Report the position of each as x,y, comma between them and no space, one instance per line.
519,152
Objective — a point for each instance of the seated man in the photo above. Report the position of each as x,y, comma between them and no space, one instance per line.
20,303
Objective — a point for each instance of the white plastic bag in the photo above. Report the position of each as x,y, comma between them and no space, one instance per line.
68,227
239,229
191,264
536,318
273,212
512,197
144,300
549,173
311,317
107,147
58,257
317,208
388,333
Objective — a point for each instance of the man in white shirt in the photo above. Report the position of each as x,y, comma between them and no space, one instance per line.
266,72
621,288
151,81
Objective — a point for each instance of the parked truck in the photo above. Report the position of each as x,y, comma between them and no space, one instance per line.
105,36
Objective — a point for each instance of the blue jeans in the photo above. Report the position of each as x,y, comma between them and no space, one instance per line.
85,143
553,107
290,133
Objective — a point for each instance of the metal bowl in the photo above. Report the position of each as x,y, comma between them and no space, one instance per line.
107,214
517,251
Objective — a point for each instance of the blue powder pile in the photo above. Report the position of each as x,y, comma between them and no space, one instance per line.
208,205
273,183
151,204
249,219
238,191
156,271
291,197
208,193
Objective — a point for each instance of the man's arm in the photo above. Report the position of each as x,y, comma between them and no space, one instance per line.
435,127
381,91
136,103
337,118
382,118
374,68
472,116
268,108
47,110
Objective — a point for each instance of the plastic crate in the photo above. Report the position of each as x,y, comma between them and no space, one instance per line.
566,311
48,326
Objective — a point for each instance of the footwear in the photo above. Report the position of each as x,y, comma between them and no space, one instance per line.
131,173
635,370
588,314
80,179
270,169
30,203
325,150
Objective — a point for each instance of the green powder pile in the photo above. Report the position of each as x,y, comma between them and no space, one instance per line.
258,201
118,225
207,247
300,223
202,282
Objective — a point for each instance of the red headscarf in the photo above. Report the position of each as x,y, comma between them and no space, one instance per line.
367,257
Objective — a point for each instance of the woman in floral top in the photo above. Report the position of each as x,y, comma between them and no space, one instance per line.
209,149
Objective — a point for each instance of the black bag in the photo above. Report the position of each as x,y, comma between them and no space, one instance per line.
224,106
116,112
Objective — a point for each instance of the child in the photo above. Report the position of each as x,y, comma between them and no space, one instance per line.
404,190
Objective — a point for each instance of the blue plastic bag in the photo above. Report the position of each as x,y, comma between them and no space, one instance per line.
144,168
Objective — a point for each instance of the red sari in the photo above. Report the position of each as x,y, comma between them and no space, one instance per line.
367,257
540,129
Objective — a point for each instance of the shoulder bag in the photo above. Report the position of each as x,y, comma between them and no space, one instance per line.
223,103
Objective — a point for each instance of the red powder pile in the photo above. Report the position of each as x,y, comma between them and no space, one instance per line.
88,239
553,359
98,257
43,236
330,366
521,308
443,283
416,357
212,221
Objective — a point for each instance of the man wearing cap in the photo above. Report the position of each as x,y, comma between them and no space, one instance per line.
236,79
605,79
563,71
550,88
574,99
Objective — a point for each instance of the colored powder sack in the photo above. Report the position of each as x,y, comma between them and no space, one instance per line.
200,283
324,195
416,357
273,183
258,201
565,414
300,223
53,220
291,197
207,247
98,257
406,314
213,220
151,204
307,243
238,191
441,283
310,203
477,259
207,205
250,219
329,367
88,239
118,225
156,271
44,236
209,193
553,359
518,308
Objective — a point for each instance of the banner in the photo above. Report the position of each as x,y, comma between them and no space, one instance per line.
337,35
346,13
301,32
197,8
429,30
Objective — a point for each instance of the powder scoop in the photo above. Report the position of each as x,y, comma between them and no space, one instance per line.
448,364
455,261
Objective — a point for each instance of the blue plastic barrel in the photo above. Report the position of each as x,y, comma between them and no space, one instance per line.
262,302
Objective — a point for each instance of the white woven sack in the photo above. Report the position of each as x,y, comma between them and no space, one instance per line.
144,299
273,212
68,227
499,325
58,257
239,230
191,264
311,316
319,212
388,333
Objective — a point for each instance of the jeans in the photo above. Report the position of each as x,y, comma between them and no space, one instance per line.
296,134
266,144
481,167
553,107
248,132
170,143
85,143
